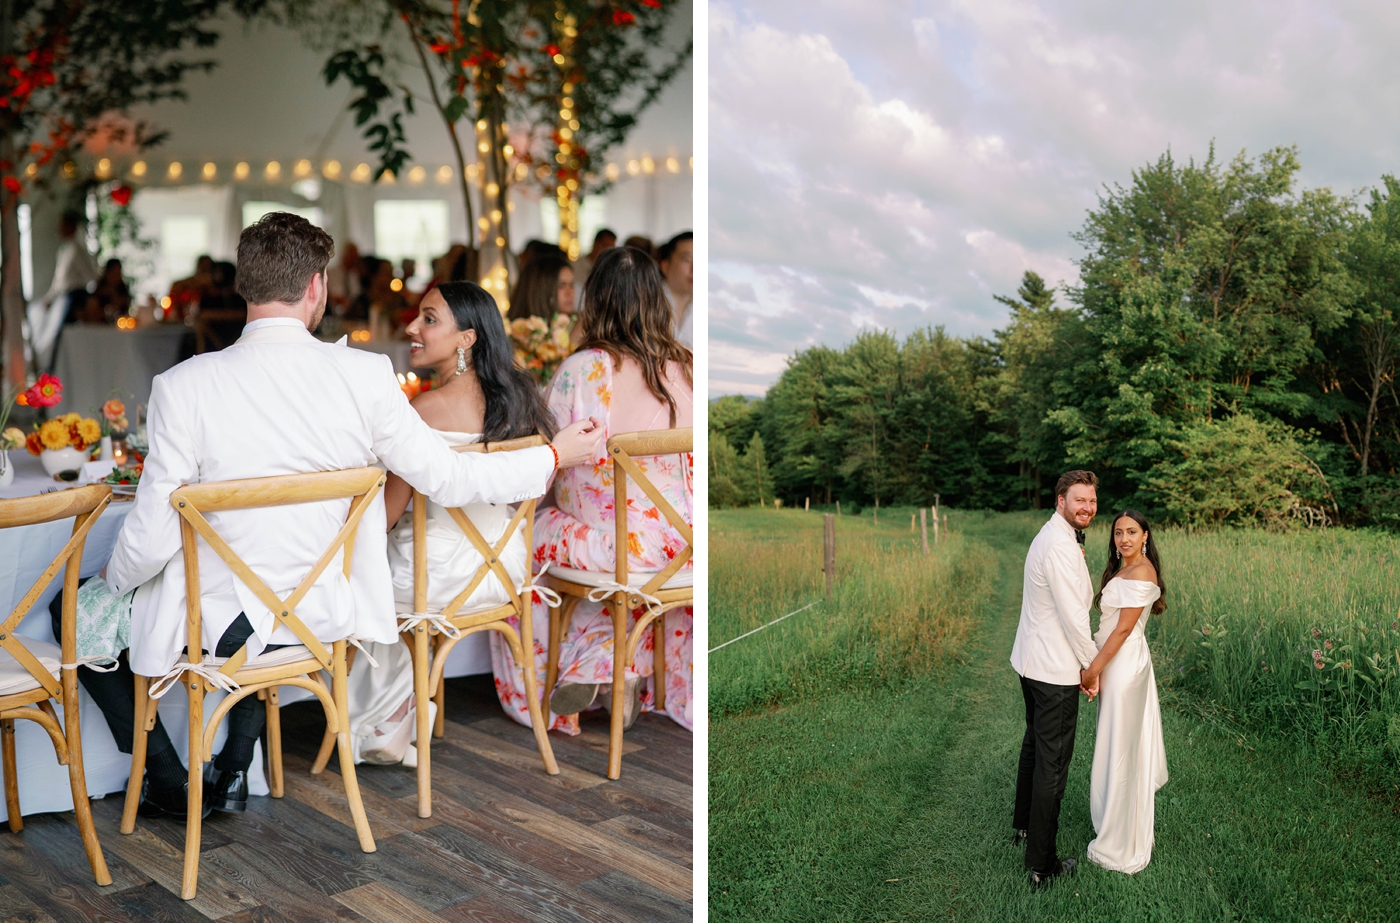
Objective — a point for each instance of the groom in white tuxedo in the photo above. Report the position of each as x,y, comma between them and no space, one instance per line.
279,401
1054,645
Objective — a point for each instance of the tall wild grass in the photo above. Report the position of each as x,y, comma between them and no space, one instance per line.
893,612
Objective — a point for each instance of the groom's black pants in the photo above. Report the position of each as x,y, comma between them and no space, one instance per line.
114,693
1052,713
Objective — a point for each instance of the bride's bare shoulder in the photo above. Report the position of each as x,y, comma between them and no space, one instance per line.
1143,570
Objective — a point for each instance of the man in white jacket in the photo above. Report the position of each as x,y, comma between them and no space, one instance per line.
1054,645
279,401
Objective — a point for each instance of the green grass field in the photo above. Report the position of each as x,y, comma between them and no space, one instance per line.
857,779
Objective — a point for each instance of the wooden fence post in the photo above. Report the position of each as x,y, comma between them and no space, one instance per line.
877,509
923,527
829,549
911,523
935,525
838,507
806,504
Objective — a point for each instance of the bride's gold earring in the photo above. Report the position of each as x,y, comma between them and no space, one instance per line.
461,359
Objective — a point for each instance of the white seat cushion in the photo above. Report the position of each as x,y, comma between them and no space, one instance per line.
15,678
635,579
276,658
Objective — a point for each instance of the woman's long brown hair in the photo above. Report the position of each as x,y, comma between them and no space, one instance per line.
626,313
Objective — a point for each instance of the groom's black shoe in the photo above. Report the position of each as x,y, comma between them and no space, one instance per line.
229,791
1043,879
1018,838
173,802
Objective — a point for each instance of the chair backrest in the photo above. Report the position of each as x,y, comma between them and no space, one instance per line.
523,520
624,448
359,485
84,503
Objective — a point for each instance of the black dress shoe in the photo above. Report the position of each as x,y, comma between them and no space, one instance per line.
1018,837
170,802
229,793
1043,879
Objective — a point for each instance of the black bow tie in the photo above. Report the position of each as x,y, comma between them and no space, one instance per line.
1079,536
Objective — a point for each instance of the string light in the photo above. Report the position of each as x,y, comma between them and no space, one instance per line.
444,174
104,168
137,169
633,168
648,165
210,170
273,169
331,170
361,174
417,175
673,165
174,170
612,171
240,171
32,170
303,168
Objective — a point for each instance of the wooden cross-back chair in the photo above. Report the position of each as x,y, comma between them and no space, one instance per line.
298,665
30,676
657,591
432,639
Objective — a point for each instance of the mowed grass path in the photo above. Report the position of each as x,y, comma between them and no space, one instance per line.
894,804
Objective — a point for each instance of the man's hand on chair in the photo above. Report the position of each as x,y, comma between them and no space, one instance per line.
579,443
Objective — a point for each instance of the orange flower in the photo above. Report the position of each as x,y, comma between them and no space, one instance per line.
113,410
32,443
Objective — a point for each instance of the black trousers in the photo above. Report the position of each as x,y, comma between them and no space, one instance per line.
115,691
1052,712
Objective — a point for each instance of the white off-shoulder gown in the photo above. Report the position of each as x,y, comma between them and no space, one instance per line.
1130,761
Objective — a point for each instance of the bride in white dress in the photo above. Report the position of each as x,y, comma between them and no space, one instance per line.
458,334
1130,761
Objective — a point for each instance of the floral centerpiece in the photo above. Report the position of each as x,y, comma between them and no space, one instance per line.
114,420
62,443
540,346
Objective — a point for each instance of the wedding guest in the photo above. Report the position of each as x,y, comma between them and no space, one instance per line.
632,374
677,258
306,406
603,241
73,272
644,244
110,298
545,288
186,293
535,249
484,396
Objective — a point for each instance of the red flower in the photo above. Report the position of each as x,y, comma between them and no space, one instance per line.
551,50
12,184
439,48
623,18
122,195
46,392
654,4
471,61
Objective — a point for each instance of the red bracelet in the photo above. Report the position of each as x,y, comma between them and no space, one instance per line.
556,455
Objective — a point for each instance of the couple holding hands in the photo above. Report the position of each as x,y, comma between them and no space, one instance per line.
1058,657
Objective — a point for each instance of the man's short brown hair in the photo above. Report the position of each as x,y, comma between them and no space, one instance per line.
1070,478
277,256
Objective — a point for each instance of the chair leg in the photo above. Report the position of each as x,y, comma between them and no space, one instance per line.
77,779
144,721
274,742
194,805
658,663
327,741
341,694
558,621
440,699
422,665
7,745
619,693
524,651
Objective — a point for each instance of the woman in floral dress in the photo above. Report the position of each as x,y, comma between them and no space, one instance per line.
632,374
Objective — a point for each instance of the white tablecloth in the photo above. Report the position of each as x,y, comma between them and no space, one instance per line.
94,360
24,553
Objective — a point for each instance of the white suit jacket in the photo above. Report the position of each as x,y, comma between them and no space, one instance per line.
1053,640
279,401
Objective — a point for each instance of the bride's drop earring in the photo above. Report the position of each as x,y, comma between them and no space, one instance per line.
461,359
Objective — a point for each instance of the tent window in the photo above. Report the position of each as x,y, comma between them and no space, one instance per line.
411,228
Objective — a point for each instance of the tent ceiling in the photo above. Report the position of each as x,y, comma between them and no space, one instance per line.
266,100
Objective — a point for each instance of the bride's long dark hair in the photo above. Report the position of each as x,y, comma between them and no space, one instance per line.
514,405
1115,559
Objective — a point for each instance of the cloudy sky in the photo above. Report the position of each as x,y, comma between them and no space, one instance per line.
895,164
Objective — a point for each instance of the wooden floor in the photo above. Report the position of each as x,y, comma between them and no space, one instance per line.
505,843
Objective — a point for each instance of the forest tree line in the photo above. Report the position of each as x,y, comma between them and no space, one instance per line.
1228,355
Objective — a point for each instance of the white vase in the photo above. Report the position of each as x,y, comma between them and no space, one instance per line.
7,469
67,459
106,444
